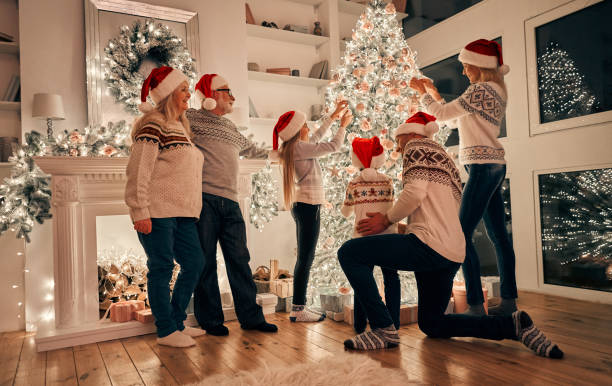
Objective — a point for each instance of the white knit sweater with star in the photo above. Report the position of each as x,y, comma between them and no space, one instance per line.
478,114
370,191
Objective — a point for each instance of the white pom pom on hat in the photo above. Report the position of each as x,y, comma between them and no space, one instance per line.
419,123
484,53
204,88
160,83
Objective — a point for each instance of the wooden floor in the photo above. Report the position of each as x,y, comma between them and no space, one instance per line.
583,330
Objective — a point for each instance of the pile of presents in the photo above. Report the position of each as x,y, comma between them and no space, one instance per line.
275,294
274,288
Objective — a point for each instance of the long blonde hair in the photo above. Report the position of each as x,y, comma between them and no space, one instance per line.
492,75
286,159
167,110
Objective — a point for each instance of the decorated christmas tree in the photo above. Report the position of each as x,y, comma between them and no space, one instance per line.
563,90
373,76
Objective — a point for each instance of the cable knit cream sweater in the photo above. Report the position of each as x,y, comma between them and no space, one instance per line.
164,172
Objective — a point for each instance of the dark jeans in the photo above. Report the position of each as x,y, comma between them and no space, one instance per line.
174,238
393,297
221,221
434,275
482,199
307,225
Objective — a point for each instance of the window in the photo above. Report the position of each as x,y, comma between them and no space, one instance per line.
574,64
451,84
422,14
575,215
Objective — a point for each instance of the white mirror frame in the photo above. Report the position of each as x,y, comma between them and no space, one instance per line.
560,290
95,75
535,127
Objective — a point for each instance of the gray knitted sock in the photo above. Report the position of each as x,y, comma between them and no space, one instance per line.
506,307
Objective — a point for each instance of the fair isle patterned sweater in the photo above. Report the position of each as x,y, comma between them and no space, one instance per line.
478,115
370,191
220,142
430,198
164,172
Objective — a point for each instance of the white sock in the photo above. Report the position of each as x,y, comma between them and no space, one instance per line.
301,313
176,339
193,332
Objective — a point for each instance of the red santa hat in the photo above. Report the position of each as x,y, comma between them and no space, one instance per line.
367,153
160,83
419,123
287,127
485,54
204,88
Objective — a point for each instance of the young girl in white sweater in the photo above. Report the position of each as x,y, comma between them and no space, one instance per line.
303,191
372,192
478,115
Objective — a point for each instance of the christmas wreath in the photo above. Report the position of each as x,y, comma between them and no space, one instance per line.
125,55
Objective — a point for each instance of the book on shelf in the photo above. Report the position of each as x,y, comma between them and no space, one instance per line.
279,71
319,70
12,90
4,37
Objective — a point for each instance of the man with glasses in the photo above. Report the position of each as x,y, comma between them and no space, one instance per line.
221,220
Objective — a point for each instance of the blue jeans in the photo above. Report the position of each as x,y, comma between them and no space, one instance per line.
307,225
221,221
393,297
174,238
434,276
482,199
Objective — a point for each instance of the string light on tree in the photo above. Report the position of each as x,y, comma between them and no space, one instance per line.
563,90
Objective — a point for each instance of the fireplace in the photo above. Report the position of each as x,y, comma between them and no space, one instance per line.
85,191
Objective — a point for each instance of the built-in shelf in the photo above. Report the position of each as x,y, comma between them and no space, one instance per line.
345,6
10,106
6,165
295,80
285,36
9,48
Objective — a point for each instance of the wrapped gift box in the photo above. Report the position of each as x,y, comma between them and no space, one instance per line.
121,312
335,302
492,284
460,296
145,316
283,288
348,314
284,304
267,300
335,316
409,313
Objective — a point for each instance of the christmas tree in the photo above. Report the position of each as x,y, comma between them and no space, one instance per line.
563,91
373,76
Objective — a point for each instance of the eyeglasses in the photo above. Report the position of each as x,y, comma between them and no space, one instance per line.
229,92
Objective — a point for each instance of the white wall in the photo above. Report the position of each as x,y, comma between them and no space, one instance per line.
525,154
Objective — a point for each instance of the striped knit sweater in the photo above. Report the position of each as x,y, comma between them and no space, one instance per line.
430,198
220,142
164,172
478,114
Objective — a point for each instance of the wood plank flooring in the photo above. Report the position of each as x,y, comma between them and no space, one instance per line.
582,329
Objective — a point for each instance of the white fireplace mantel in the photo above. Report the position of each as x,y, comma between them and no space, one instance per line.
82,189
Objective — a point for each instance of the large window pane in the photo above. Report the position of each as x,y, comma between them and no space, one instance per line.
451,83
576,225
422,14
575,64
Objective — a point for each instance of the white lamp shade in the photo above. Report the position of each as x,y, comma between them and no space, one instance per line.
48,106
